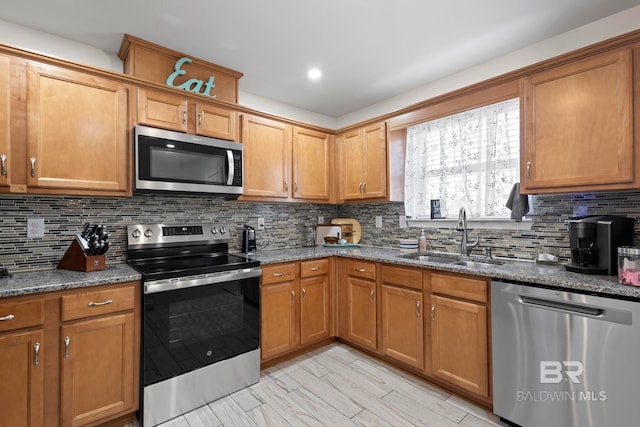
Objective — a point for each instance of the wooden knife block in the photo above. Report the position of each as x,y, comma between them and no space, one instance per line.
75,259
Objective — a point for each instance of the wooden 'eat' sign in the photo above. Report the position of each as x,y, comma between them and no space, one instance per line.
166,67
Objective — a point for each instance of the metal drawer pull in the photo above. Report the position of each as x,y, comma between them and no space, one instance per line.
8,317
96,304
433,312
67,340
360,270
315,268
200,115
3,159
304,294
418,308
279,274
184,117
33,166
528,170
371,296
36,354
293,297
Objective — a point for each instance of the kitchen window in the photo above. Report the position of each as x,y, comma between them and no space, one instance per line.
468,159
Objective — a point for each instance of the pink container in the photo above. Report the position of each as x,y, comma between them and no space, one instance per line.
629,265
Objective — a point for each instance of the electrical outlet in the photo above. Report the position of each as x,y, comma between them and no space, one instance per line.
260,223
378,222
402,221
320,219
35,228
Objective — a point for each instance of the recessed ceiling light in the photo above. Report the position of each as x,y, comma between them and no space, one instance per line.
314,74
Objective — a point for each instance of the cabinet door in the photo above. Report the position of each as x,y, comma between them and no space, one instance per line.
361,312
267,157
352,165
311,164
579,125
278,315
402,325
21,379
314,309
459,338
162,110
78,134
6,158
216,122
375,151
97,373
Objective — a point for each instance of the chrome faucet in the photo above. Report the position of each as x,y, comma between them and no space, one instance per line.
465,247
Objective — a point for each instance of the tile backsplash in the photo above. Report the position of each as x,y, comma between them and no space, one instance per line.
285,222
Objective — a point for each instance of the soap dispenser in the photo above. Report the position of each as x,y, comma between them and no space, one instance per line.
422,242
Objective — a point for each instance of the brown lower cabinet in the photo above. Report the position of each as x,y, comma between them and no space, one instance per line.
295,306
357,298
85,356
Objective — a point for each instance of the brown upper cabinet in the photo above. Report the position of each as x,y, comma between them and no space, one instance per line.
167,110
6,158
284,162
77,133
362,163
579,127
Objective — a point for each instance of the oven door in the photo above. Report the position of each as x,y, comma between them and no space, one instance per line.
171,161
188,328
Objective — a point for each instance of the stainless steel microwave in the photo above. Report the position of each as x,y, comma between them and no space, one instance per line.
178,162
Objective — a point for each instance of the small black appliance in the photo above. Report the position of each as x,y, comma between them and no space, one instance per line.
249,240
594,241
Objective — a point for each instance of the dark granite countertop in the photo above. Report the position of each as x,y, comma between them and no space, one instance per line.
520,271
55,280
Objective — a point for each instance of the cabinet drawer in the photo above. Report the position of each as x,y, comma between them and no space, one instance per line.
98,302
364,269
278,273
401,276
314,267
19,315
461,287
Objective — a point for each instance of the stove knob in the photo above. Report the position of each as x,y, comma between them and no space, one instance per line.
214,231
136,233
148,233
222,230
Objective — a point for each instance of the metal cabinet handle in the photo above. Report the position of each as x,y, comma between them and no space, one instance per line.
360,187
371,296
3,160
286,185
36,354
364,187
293,297
184,117
418,308
96,304
67,340
528,170
433,312
33,166
7,317
279,274
304,294
360,270
200,117
315,268
295,186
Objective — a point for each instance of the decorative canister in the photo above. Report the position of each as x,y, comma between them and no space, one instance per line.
629,265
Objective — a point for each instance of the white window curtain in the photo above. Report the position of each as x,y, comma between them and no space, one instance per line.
469,159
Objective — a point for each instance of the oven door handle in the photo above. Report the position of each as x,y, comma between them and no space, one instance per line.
200,280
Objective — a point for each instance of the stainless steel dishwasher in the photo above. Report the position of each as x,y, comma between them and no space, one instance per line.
563,358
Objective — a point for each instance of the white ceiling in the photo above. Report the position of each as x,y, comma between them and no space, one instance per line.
368,50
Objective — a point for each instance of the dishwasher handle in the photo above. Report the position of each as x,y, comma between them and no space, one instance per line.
609,314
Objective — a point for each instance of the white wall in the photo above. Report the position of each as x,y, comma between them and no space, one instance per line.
594,32
603,29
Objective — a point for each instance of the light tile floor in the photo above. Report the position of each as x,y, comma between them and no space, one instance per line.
336,386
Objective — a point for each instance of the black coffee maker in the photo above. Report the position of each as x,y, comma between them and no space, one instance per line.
595,240
249,240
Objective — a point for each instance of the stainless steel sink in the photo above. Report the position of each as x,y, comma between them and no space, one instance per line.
476,264
431,258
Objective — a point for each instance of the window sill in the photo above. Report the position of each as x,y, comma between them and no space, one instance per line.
473,223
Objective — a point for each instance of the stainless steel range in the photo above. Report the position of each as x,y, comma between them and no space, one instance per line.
200,317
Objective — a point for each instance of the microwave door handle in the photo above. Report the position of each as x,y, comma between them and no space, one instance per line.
231,168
